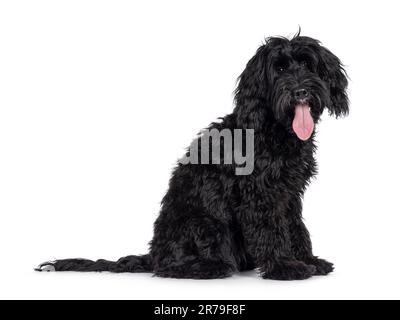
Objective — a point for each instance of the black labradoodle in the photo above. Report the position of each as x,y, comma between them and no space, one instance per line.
214,222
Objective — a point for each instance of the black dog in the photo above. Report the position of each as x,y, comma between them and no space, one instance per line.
213,222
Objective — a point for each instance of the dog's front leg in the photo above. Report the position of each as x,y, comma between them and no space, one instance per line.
300,239
268,243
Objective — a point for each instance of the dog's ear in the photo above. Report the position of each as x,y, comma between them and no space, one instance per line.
251,90
253,80
332,72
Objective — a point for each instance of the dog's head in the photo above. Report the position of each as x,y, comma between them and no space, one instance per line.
292,81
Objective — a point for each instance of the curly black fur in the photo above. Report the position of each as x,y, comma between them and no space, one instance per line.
214,223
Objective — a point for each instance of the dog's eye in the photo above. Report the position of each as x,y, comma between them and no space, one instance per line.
280,69
304,64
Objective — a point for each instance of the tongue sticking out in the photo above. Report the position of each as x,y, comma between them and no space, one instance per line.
303,123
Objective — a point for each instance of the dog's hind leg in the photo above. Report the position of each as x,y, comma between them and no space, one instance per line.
204,252
197,269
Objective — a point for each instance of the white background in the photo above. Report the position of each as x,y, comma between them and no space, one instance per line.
99,98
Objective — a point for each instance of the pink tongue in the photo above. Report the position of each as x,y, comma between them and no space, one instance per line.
303,123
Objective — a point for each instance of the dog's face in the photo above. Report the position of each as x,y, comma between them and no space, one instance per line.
294,80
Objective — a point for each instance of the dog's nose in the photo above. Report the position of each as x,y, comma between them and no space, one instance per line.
301,94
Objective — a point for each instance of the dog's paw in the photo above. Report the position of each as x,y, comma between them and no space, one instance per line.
288,270
322,266
46,267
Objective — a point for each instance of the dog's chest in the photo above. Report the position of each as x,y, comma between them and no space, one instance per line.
288,170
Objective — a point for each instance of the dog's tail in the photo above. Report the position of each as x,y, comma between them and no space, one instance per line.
132,264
